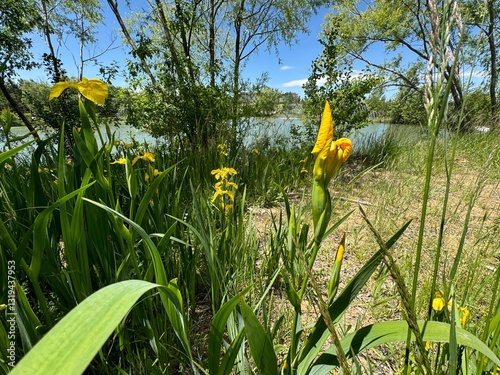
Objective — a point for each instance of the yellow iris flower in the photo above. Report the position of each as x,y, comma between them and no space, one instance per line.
438,303
223,187
93,89
148,156
328,157
329,154
119,161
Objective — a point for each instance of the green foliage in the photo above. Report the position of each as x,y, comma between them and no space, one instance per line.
16,19
332,79
407,107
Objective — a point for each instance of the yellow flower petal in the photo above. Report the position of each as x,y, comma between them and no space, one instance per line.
93,89
346,145
325,133
340,251
58,89
148,156
438,303
119,161
464,315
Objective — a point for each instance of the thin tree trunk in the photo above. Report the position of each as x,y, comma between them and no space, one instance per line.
114,7
46,29
211,43
236,70
16,108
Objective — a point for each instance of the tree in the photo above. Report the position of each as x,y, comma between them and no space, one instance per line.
332,79
266,102
190,55
484,17
405,30
17,17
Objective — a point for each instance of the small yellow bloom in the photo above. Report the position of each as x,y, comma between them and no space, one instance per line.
222,149
116,143
93,89
148,156
438,303
69,161
340,250
221,192
223,172
227,208
3,306
464,315
223,186
7,166
119,161
146,177
127,145
231,184
303,170
255,151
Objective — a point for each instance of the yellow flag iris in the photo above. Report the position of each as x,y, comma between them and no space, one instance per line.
329,154
93,89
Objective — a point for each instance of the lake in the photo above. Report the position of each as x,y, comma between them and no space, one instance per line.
270,128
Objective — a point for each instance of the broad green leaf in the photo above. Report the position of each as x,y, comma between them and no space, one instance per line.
260,343
396,331
217,332
69,347
7,154
87,131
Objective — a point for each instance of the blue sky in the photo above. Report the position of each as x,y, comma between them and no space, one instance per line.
287,71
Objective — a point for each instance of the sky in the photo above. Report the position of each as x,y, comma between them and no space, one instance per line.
287,72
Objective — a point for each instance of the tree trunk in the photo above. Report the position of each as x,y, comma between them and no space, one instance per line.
211,43
236,70
46,29
16,108
114,7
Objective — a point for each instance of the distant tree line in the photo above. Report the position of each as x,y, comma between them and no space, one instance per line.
184,75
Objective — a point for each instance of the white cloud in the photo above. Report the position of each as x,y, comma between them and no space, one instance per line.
295,83
301,82
286,67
